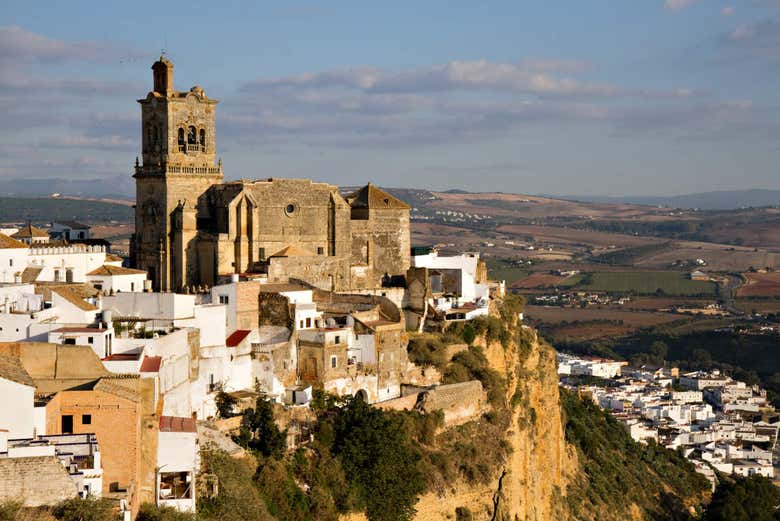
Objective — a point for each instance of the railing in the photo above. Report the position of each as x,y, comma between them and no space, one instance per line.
178,169
189,148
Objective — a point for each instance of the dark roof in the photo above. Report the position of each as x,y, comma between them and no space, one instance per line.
177,424
11,369
374,198
237,337
122,357
30,273
73,224
151,364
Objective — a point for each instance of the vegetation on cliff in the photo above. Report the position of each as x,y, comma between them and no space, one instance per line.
621,477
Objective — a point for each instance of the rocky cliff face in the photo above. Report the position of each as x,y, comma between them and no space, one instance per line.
530,486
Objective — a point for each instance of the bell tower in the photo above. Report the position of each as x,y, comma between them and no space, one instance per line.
178,152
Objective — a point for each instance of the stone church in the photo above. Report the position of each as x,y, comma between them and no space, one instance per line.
193,228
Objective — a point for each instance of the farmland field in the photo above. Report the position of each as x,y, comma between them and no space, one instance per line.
646,283
546,280
760,285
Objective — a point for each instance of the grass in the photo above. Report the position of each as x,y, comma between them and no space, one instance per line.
647,283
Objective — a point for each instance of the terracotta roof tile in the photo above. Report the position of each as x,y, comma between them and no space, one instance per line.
177,424
7,242
74,297
108,270
237,337
30,231
374,198
151,364
11,369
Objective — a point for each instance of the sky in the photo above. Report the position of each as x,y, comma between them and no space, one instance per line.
596,97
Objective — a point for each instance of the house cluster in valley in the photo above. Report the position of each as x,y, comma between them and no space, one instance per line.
719,423
270,287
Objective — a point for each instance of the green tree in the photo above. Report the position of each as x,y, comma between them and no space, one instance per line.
744,499
225,404
379,460
90,509
259,431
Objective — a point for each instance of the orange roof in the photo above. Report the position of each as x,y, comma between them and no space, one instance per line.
177,424
110,257
73,296
107,270
8,242
237,337
151,364
30,231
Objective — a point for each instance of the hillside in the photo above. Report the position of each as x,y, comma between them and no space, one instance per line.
44,210
533,456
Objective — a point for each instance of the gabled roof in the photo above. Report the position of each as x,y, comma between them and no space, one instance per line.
292,251
30,274
107,270
151,364
11,368
74,297
237,337
30,231
375,198
123,386
7,242
110,257
177,424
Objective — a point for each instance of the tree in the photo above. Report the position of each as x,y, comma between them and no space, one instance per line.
225,403
90,509
744,499
259,431
658,351
379,460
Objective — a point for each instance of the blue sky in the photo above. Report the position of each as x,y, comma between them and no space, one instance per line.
580,97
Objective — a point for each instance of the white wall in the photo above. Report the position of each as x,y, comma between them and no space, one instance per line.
123,283
159,306
16,414
80,258
12,261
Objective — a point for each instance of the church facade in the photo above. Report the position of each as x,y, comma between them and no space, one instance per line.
195,229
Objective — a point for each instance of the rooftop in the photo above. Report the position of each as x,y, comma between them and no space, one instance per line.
108,270
80,330
7,242
30,231
237,337
11,368
73,296
151,364
374,198
177,424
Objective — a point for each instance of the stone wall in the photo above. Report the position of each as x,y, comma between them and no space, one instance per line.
37,481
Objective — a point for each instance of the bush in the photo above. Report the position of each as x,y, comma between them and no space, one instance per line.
225,404
744,499
9,510
238,498
259,431
151,512
90,509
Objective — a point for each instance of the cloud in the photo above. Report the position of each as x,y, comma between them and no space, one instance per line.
20,45
727,11
759,39
676,5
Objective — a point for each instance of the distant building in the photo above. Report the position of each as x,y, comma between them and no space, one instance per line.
31,235
68,231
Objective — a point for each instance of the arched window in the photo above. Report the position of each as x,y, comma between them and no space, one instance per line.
202,139
192,136
155,135
181,139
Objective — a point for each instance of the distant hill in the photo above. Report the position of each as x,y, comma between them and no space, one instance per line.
120,186
722,200
42,210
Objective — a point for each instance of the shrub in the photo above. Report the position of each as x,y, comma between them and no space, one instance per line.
259,431
151,512
225,404
90,509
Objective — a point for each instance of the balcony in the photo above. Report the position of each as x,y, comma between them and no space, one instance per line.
191,148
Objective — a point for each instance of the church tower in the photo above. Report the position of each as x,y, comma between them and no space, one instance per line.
178,165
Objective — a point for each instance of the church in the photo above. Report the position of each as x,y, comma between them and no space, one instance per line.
195,229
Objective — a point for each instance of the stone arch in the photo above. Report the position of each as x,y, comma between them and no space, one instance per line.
362,395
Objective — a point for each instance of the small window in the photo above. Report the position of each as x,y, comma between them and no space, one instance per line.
308,322
67,424
91,339
68,341
320,250
338,339
301,326
333,362
261,253
192,136
10,262
224,299
289,209
86,419
202,138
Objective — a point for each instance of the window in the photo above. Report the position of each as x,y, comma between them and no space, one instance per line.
69,341
175,485
261,253
224,299
192,136
91,339
308,322
338,339
301,326
181,139
320,250
132,286
57,276
289,209
333,362
10,262
67,424
86,419
202,138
